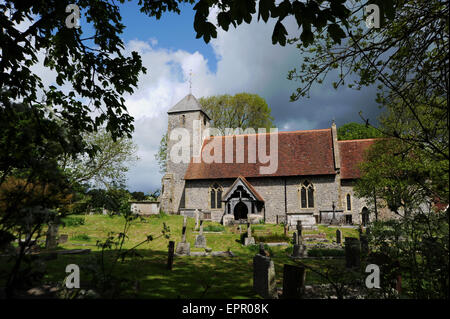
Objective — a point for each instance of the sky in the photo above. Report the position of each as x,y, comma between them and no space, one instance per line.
240,60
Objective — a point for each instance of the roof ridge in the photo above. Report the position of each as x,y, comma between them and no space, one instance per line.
278,132
362,139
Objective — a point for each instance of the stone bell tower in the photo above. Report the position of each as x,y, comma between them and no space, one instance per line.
186,116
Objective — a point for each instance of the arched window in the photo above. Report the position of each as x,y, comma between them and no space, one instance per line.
306,195
349,202
183,119
215,193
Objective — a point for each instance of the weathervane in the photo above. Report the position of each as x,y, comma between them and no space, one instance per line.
190,81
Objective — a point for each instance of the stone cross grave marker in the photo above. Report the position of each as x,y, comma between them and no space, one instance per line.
338,236
170,255
299,248
183,248
249,240
264,281
200,240
293,282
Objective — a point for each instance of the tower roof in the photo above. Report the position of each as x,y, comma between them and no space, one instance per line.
188,104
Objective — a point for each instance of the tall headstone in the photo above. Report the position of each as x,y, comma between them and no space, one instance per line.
364,244
249,240
200,240
197,218
183,248
294,238
293,282
51,241
264,281
170,255
352,252
299,248
338,236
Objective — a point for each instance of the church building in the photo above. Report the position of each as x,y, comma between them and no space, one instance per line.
313,180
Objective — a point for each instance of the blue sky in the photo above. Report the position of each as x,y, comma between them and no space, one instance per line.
240,60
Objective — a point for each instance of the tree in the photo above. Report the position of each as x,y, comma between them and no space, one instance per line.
107,165
355,131
242,110
388,56
138,196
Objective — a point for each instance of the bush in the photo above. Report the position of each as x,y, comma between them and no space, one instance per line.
319,252
72,221
214,228
81,237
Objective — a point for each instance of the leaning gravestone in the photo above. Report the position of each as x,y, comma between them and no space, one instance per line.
183,248
352,252
249,240
51,241
200,240
264,282
338,236
293,282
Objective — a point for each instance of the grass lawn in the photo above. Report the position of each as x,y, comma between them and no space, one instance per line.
191,277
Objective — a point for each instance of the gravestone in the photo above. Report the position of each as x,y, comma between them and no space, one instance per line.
294,238
364,244
352,252
264,281
299,249
183,248
51,241
240,229
170,255
200,240
249,240
293,282
63,239
197,219
338,236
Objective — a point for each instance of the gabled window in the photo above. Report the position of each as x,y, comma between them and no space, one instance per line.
306,195
215,193
349,202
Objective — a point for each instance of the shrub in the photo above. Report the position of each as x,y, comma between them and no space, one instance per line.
214,228
73,221
254,249
81,237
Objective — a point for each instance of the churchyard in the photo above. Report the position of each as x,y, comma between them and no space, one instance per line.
224,269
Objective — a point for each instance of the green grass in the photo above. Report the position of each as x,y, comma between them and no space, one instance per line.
191,277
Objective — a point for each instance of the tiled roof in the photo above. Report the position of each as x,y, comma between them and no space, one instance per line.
352,154
299,153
